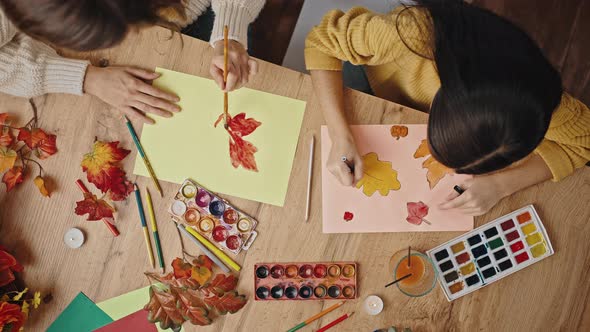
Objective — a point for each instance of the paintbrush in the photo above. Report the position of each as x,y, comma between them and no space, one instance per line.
398,280
310,169
225,96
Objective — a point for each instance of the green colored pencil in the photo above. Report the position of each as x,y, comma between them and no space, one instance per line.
155,229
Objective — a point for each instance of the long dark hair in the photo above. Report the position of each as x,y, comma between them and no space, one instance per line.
498,91
84,25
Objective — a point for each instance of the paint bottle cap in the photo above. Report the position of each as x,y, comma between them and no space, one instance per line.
74,238
373,305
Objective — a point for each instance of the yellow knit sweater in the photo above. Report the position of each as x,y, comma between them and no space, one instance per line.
398,74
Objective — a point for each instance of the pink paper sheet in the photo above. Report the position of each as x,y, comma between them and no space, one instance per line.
136,322
388,213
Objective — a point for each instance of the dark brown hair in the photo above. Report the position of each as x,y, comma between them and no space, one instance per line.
84,25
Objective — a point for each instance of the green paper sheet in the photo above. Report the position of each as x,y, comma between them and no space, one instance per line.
81,315
126,304
188,146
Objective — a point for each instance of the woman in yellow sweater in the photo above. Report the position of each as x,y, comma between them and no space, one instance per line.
496,105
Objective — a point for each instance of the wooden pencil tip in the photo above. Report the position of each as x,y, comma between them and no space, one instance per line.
135,187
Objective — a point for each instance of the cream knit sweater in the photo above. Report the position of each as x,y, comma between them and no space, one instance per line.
31,68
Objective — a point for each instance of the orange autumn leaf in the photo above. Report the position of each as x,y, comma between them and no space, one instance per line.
40,183
102,169
13,177
5,137
39,141
94,207
7,158
201,274
436,171
3,118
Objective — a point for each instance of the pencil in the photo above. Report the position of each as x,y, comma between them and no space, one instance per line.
225,96
336,321
223,256
204,249
144,157
106,221
310,169
155,229
144,225
317,316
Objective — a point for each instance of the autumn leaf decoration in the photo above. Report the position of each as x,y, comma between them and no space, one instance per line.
190,293
241,151
103,170
378,176
416,213
18,145
436,170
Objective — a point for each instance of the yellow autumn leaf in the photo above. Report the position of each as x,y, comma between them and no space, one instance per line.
40,183
378,176
201,274
436,171
7,158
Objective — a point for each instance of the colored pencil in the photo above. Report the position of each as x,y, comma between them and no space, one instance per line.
146,235
336,321
106,221
204,249
317,316
223,256
225,96
155,229
309,173
144,157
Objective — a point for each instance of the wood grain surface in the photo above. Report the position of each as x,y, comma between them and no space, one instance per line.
553,294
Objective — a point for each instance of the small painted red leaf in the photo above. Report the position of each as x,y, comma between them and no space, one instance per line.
13,177
230,302
241,126
95,208
416,212
181,268
242,152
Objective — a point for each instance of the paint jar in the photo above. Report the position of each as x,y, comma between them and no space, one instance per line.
348,292
276,292
291,292
348,271
188,191
277,271
291,271
244,225
305,292
206,224
203,198
320,291
262,293
305,271
334,271
233,242
230,216
217,208
178,208
219,233
192,216
320,271
334,291
262,272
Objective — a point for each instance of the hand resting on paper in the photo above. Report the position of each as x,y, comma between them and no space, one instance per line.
128,90
481,194
239,66
345,147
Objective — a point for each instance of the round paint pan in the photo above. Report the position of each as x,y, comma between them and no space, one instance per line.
277,271
233,242
348,271
320,291
219,233
291,292
178,208
305,271
305,292
188,191
244,225
230,216
206,224
262,292
291,271
320,271
217,208
262,271
203,198
277,292
348,292
334,291
334,271
192,216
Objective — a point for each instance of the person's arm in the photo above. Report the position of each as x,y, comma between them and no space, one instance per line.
237,16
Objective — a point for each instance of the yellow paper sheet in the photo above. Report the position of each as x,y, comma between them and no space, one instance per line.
188,146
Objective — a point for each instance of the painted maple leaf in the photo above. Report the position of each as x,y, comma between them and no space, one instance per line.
436,171
13,177
377,176
416,212
241,152
39,141
103,170
94,207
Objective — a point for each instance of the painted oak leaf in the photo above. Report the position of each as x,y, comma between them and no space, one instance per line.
416,212
95,208
40,183
220,284
7,158
436,171
13,177
162,308
102,169
191,306
377,176
181,268
230,302
39,141
201,274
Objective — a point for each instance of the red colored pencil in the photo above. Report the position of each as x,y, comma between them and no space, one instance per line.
336,321
111,227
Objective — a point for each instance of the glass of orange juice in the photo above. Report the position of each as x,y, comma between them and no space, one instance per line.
421,268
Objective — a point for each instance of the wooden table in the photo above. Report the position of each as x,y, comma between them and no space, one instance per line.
551,294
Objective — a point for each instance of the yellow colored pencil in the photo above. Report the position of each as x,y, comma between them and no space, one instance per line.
223,256
155,229
146,235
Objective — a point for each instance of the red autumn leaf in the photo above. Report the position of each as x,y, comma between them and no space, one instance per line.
242,152
192,307
162,308
120,191
96,208
348,216
220,284
47,147
416,212
101,167
12,317
3,118
8,265
203,260
241,126
181,268
42,143
230,302
13,177
5,137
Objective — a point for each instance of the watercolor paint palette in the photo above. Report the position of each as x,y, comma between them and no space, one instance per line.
491,252
213,217
305,281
